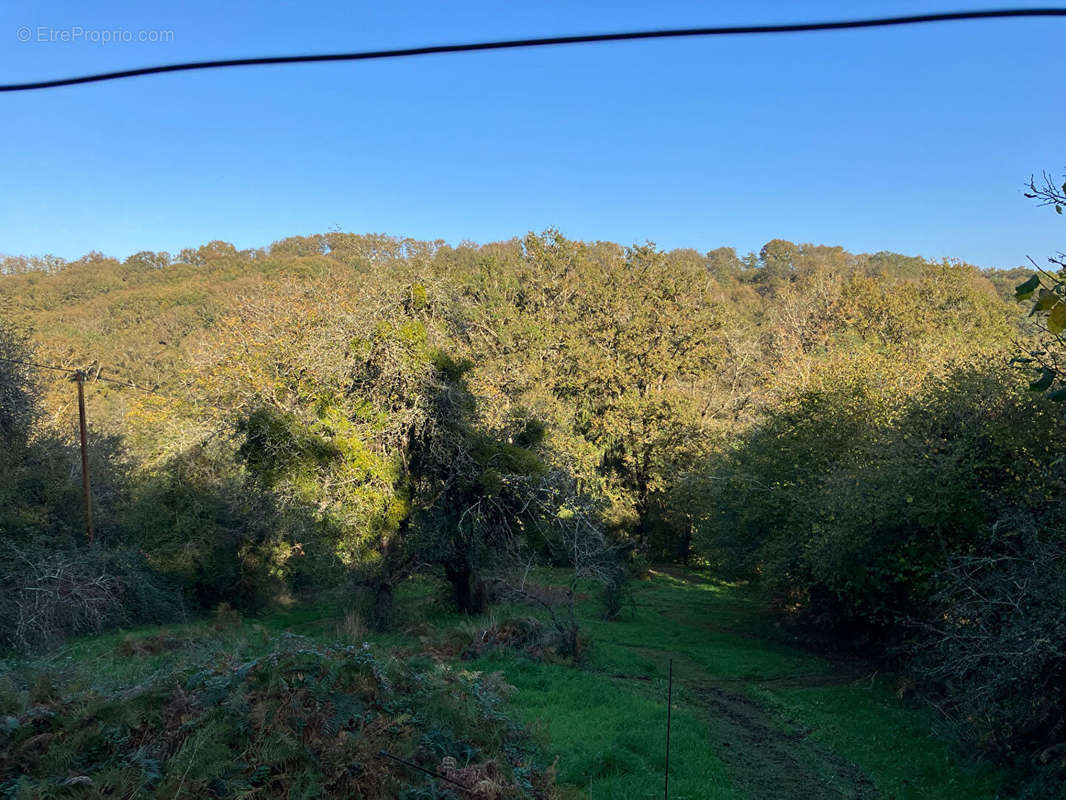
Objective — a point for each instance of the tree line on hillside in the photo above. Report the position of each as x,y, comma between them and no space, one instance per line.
338,412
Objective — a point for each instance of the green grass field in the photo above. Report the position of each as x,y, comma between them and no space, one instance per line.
753,716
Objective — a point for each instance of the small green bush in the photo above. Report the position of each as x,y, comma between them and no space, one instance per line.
205,526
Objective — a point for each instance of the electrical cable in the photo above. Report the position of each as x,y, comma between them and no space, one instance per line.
97,377
548,41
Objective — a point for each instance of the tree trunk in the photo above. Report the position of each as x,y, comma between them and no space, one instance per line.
458,576
470,595
381,613
684,546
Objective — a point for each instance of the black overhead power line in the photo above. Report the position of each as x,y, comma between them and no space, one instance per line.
87,374
726,30
39,366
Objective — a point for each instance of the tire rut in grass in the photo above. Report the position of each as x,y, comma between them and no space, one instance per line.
768,762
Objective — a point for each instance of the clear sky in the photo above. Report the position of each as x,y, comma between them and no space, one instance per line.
915,139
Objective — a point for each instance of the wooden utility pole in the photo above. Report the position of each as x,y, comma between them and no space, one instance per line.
79,377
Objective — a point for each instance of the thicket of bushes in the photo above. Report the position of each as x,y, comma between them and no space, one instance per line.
51,584
347,452
849,499
48,595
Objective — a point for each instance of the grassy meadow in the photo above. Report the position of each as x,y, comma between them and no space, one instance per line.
753,716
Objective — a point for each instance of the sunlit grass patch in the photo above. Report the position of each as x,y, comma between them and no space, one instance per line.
610,734
895,744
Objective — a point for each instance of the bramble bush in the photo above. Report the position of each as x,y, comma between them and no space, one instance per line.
47,596
301,720
991,654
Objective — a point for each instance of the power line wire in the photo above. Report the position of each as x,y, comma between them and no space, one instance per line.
728,30
39,366
97,377
132,385
90,378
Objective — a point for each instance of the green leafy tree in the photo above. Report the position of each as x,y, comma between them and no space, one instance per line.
1045,291
637,353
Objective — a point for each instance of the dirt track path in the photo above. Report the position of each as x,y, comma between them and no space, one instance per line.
768,762
767,756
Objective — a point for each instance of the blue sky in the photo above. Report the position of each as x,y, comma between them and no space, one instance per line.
916,140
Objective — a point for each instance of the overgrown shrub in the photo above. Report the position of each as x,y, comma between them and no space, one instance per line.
48,595
203,524
300,721
993,652
847,502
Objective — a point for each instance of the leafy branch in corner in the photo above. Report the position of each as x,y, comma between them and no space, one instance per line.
1046,290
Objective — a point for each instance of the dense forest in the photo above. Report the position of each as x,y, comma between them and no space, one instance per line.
875,440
